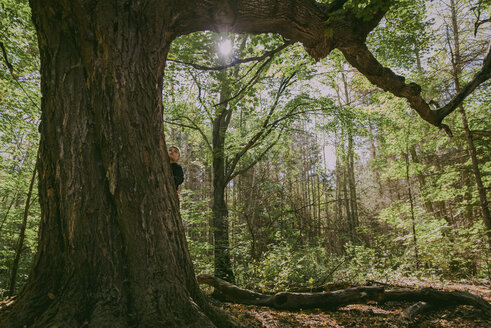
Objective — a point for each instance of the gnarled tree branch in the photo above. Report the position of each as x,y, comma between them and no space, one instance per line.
480,77
321,28
360,57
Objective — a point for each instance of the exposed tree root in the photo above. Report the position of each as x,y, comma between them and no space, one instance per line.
210,316
427,297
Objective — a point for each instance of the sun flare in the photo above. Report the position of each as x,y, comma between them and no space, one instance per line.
225,47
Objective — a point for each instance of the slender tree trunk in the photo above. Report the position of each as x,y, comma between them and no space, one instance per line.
373,151
319,207
457,71
420,176
6,215
422,183
347,207
223,265
351,180
4,219
349,164
477,174
309,197
338,219
441,205
411,204
22,233
327,219
209,195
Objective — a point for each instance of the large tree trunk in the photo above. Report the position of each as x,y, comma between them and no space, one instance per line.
112,251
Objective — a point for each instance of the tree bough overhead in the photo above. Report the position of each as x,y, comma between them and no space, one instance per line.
112,251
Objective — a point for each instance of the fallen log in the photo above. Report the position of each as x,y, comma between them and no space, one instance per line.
332,300
437,297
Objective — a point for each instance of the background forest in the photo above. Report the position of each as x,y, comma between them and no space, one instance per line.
298,174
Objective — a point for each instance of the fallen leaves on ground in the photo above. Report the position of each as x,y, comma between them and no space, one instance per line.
354,316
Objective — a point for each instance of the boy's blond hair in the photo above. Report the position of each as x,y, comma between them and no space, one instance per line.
178,149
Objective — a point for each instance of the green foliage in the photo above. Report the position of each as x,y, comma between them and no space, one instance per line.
403,35
195,215
286,266
19,117
443,252
365,9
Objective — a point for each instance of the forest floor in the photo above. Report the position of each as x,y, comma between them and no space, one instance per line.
370,315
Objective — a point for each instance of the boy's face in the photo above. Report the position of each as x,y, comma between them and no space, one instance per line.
173,154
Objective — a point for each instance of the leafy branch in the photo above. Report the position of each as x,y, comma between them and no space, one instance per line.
16,79
235,62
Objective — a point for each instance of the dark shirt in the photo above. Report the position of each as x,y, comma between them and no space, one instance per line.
178,174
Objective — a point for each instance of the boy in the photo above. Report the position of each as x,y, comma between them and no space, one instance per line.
177,172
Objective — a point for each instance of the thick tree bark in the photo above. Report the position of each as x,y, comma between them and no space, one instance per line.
112,251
